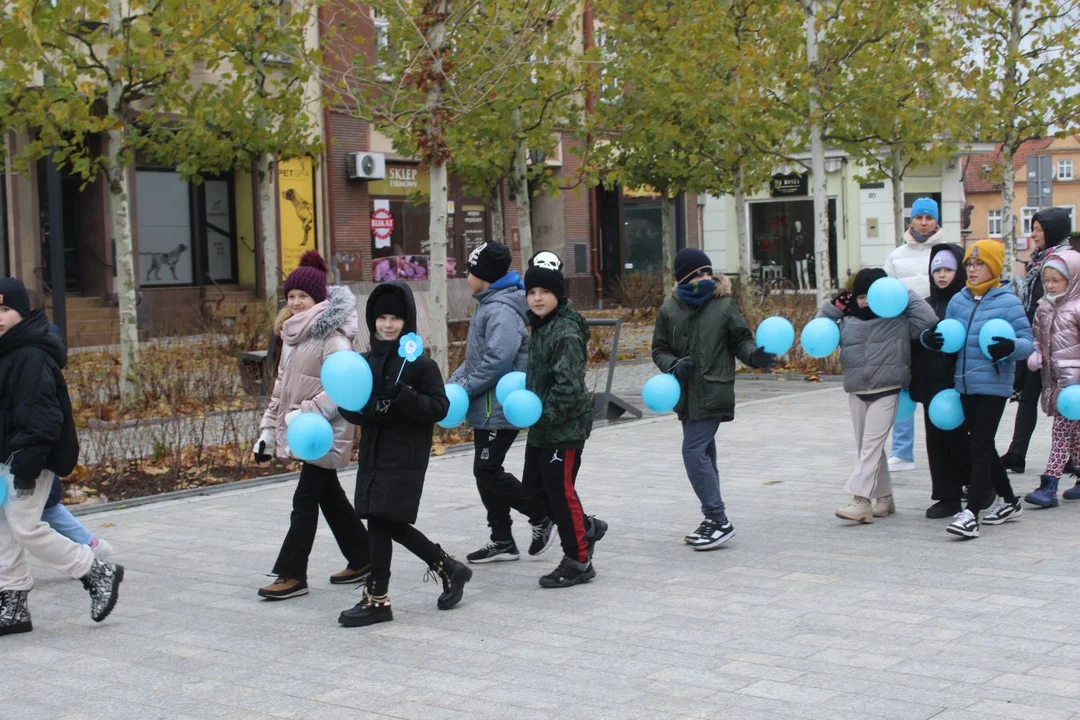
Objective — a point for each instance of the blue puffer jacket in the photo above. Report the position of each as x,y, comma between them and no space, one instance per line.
975,373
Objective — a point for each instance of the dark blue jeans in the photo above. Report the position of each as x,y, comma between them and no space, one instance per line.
699,457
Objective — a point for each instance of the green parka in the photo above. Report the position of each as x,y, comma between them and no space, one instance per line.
711,336
556,373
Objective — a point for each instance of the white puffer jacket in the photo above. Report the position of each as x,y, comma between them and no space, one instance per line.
910,263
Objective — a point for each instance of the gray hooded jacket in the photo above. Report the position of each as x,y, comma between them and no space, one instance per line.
498,343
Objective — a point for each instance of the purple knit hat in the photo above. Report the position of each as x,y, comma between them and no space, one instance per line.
309,277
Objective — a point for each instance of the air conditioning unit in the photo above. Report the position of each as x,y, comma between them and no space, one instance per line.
365,166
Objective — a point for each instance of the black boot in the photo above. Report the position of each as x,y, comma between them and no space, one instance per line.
943,509
14,612
453,574
372,609
103,583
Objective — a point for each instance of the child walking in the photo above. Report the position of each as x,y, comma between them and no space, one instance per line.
557,352
498,343
876,355
396,425
699,332
316,322
932,372
37,442
1057,356
986,385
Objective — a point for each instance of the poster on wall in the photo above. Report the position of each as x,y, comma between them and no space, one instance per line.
219,246
406,267
382,224
163,209
296,211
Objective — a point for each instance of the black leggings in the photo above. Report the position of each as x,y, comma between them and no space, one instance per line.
383,533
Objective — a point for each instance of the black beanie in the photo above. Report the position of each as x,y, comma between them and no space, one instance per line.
13,295
389,302
489,262
687,261
864,279
545,271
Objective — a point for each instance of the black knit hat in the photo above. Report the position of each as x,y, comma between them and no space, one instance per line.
864,279
545,271
687,261
389,303
489,262
13,295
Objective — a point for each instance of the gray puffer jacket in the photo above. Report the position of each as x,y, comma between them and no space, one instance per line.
876,353
498,343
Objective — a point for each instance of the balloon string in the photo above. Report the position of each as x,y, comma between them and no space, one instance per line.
403,361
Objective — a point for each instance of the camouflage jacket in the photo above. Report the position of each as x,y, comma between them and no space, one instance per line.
556,373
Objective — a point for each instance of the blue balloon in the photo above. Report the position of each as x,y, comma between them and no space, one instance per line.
905,409
661,393
346,378
995,327
946,411
1069,402
887,297
776,335
310,436
820,337
459,406
955,335
508,383
523,408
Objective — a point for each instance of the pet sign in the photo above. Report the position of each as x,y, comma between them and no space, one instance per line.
382,224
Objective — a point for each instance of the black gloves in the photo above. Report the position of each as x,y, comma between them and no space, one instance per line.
382,403
1001,348
932,339
683,369
761,360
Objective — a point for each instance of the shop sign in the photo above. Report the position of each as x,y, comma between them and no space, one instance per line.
401,181
382,226
791,184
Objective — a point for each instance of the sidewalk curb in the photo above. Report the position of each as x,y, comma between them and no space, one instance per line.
606,427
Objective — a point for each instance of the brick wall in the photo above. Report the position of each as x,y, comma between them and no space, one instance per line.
350,204
693,222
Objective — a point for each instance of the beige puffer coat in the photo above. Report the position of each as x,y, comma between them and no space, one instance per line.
1057,336
307,339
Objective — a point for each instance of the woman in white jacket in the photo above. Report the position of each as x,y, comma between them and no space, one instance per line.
910,264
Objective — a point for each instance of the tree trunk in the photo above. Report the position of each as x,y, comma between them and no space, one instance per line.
437,269
127,284
817,160
1008,189
1008,222
746,254
498,219
667,233
268,236
520,180
896,177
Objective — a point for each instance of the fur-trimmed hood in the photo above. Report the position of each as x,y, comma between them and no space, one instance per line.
723,286
338,311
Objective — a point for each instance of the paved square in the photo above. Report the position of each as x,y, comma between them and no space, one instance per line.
800,616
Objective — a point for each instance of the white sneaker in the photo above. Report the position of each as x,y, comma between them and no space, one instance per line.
884,506
859,510
898,465
965,525
102,549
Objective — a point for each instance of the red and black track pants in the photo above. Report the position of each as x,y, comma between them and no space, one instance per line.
548,478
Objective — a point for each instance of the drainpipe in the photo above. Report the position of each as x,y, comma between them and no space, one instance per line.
328,179
594,235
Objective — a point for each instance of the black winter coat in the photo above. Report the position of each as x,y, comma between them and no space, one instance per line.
37,429
397,423
932,372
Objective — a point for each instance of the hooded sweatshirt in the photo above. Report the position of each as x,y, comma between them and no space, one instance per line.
1057,335
908,262
932,372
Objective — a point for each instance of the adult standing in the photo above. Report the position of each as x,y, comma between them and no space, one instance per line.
910,264
1050,230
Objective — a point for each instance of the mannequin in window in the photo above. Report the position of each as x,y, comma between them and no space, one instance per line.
800,253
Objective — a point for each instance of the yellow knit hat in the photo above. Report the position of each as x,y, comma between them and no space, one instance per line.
990,252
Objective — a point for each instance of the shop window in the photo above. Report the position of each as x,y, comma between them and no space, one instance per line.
993,223
163,208
782,238
1026,213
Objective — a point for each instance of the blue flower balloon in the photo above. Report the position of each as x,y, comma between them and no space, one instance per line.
954,333
310,437
992,328
346,378
410,347
776,335
1069,402
905,408
523,408
508,383
459,406
946,411
661,393
820,337
887,297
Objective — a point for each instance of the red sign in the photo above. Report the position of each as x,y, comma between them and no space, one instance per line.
382,224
